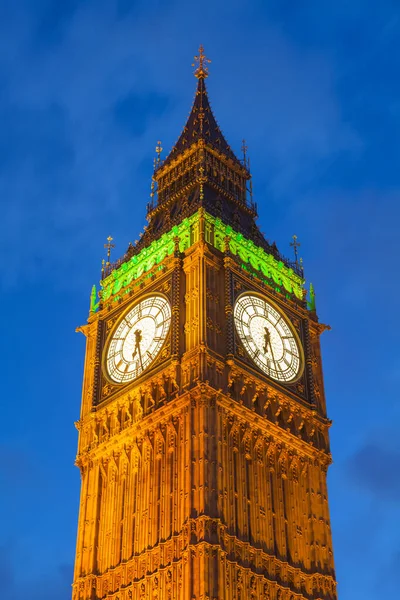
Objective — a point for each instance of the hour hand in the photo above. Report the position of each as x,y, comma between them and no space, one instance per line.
138,339
267,340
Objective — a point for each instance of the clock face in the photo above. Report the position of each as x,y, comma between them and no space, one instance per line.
268,338
138,339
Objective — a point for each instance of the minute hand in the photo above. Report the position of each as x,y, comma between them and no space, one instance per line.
273,356
137,349
140,355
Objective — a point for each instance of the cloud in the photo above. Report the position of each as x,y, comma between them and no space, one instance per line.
35,136
134,112
375,468
6,571
88,88
365,513
15,466
55,584
355,232
386,582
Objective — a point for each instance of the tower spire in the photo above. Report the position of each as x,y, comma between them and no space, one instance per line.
201,123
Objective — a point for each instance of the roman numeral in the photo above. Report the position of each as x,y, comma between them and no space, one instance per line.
288,363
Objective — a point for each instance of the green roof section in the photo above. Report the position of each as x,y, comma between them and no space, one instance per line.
254,258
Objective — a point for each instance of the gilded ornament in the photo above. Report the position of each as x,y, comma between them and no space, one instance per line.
107,389
110,323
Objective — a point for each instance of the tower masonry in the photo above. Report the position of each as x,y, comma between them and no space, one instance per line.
203,435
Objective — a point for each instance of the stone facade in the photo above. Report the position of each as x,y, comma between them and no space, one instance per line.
203,479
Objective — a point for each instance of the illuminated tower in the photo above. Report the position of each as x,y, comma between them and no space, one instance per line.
203,436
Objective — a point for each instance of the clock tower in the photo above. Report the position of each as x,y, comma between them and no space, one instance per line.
203,435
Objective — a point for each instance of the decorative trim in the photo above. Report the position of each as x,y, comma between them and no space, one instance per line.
273,273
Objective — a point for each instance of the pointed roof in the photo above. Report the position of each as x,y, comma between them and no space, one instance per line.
201,124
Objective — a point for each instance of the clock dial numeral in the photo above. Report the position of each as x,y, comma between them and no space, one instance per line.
268,338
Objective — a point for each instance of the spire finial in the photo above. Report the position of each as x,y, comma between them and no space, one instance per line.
93,297
109,245
158,150
201,71
244,150
311,304
153,181
295,244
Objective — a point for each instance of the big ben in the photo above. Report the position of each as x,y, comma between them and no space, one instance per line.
203,435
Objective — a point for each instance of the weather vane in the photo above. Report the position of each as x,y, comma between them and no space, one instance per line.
295,244
158,150
109,245
201,71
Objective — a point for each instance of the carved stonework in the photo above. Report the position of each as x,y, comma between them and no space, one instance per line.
202,477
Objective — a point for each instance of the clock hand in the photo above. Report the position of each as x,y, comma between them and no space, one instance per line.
140,356
267,342
138,339
273,355
267,339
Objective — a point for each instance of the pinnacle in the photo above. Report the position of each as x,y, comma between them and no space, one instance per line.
201,125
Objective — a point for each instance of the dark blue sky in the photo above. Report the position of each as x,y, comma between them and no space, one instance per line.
86,90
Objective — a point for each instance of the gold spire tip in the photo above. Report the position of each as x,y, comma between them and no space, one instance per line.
158,150
108,247
296,245
201,62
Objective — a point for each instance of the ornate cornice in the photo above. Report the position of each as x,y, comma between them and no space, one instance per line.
253,258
